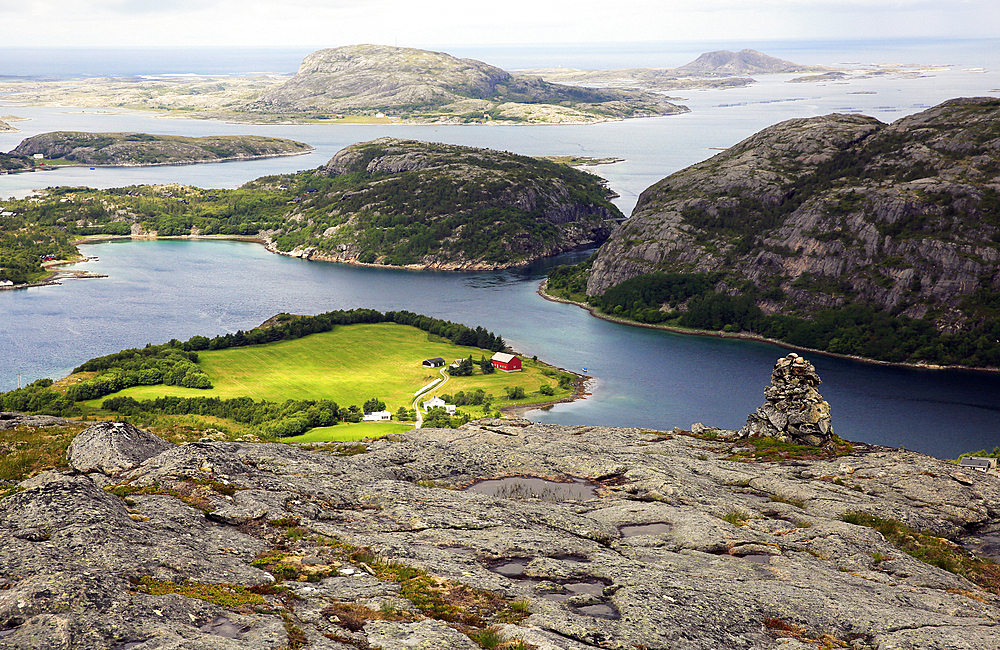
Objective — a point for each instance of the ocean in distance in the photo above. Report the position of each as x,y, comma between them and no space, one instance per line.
644,378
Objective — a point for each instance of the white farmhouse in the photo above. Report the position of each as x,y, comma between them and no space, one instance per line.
377,416
435,402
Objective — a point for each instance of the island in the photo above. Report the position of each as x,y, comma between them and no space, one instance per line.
144,149
719,69
387,202
361,83
838,233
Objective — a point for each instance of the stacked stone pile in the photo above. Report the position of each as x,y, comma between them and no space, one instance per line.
794,411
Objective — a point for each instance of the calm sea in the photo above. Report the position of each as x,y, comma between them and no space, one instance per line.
162,290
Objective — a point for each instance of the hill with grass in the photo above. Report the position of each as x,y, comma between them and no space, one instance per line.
434,86
141,149
838,232
430,205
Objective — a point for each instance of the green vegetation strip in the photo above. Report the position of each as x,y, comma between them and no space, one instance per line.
935,551
689,301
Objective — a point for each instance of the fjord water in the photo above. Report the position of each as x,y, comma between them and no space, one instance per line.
644,378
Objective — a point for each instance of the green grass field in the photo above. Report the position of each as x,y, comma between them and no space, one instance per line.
351,364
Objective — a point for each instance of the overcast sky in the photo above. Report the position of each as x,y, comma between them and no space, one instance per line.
421,23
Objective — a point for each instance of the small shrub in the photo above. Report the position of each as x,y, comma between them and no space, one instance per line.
735,517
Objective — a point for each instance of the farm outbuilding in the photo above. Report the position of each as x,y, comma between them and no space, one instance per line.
436,362
506,362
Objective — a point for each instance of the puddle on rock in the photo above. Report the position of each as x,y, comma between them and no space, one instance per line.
512,568
222,626
573,589
756,558
987,545
601,610
532,487
645,529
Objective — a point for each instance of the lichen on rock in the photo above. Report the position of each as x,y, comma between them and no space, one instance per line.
113,448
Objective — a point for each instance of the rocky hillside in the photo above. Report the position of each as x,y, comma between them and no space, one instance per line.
138,149
565,537
422,85
834,211
430,205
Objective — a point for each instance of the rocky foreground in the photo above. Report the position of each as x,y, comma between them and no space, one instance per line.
625,539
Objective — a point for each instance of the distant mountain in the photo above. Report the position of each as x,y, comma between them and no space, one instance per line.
369,79
6,127
724,62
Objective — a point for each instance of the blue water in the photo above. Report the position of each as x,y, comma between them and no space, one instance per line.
643,378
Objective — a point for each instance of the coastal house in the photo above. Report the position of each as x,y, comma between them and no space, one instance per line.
376,416
436,402
979,463
506,362
436,362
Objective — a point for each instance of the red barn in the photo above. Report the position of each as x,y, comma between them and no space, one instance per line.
506,362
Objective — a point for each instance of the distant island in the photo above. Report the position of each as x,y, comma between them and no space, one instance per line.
718,69
359,83
387,202
433,86
142,149
838,233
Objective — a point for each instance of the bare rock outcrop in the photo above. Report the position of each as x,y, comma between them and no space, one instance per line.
113,448
831,211
606,537
794,411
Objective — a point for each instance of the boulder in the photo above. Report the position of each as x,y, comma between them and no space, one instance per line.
113,448
794,411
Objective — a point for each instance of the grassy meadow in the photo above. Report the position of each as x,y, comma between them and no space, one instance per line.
351,364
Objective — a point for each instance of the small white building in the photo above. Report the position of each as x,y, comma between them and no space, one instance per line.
436,402
377,416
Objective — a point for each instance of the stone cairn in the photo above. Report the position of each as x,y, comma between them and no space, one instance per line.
794,411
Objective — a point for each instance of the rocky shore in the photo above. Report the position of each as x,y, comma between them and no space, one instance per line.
566,537
744,336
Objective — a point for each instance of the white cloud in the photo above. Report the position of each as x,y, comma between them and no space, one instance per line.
312,23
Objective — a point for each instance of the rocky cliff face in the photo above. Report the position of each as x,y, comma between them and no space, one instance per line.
434,85
833,210
620,539
431,205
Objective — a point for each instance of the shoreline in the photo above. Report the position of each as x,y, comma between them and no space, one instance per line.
752,337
